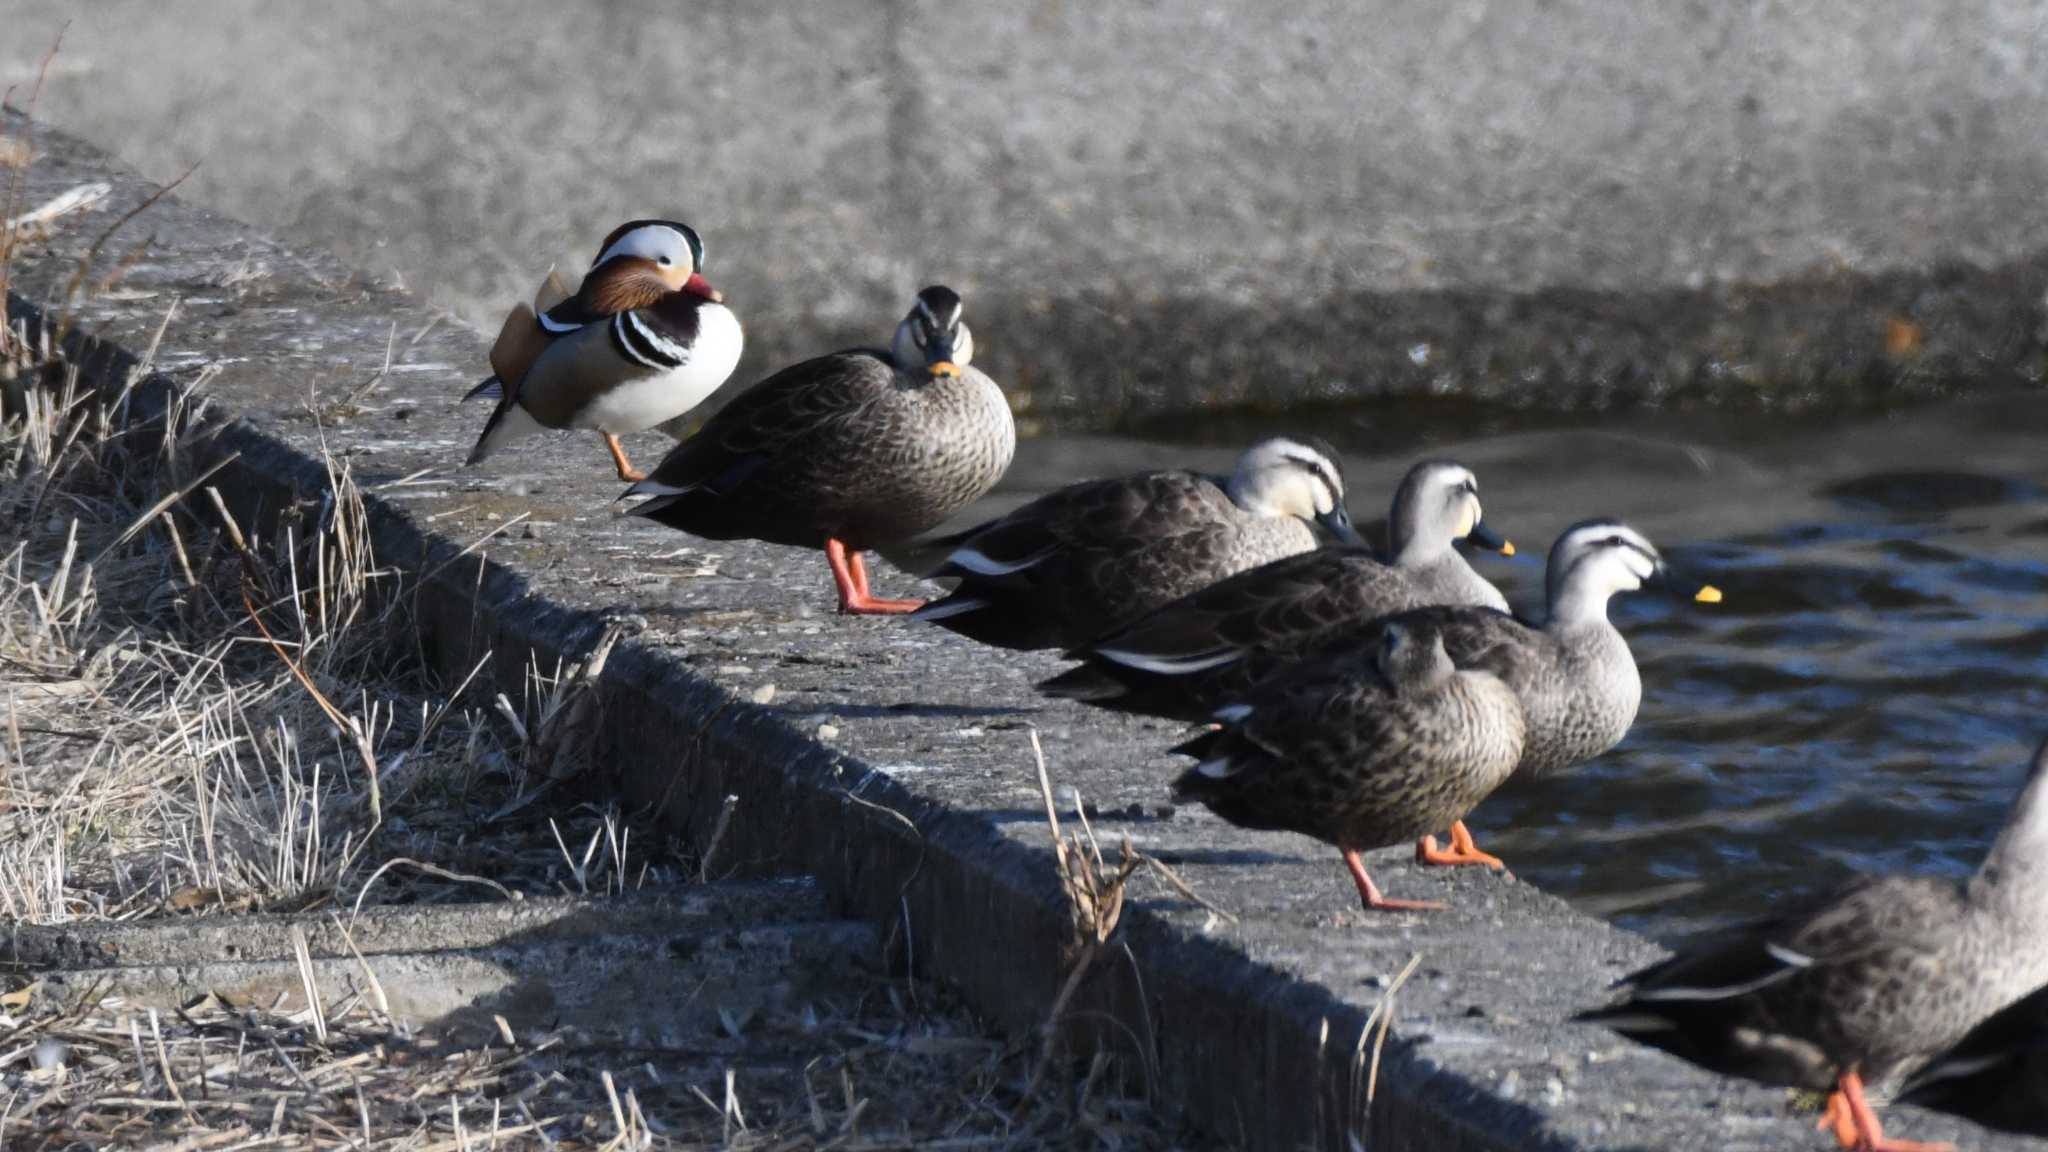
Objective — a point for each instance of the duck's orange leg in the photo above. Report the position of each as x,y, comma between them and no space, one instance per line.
627,472
850,576
1839,1120
1369,892
1866,1134
1461,851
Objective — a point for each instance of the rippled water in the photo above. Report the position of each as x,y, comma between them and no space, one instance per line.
1865,698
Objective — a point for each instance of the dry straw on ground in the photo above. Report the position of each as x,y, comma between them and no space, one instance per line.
198,719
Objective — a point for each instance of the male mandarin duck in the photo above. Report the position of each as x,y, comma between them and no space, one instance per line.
644,339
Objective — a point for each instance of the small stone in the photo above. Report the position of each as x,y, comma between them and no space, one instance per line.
828,731
49,1053
765,694
734,670
1511,1084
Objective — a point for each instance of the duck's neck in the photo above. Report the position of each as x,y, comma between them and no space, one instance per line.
1577,605
2014,875
1246,495
1418,550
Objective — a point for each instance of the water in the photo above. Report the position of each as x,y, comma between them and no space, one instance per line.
1866,697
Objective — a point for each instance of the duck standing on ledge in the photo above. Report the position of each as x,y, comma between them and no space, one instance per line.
1176,661
1085,558
1360,749
1864,988
846,452
1573,672
643,340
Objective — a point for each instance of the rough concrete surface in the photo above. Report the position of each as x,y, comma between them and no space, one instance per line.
1580,203
892,761
447,970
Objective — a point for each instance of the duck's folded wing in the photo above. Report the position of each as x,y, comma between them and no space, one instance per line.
1897,915
1011,545
767,417
1324,711
1285,597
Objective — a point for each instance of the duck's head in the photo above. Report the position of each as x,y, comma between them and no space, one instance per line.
1294,476
1597,559
1438,502
933,339
646,253
1413,659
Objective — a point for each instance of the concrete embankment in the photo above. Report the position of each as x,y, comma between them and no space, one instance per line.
892,762
1171,207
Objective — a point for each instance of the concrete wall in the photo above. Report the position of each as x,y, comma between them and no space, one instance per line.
1154,205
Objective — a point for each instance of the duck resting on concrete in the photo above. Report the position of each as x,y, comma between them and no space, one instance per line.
1360,748
1573,671
845,452
642,340
1864,988
1151,664
1082,559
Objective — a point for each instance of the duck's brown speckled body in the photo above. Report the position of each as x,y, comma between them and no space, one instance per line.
1997,1075
1360,749
1085,558
1863,988
846,451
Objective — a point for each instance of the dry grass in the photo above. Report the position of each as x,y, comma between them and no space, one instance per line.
197,720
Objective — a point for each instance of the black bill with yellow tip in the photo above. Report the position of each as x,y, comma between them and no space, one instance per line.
1696,592
1492,541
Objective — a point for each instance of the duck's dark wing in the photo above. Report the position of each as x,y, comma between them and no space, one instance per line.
1997,1076
1182,672
768,417
1728,1005
1072,560
1253,768
1090,514
1270,606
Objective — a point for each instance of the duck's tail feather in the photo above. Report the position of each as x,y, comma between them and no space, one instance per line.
508,422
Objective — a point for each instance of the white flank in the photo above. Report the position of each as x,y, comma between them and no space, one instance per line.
652,487
982,564
1168,665
1787,956
1233,713
1666,995
947,608
1216,769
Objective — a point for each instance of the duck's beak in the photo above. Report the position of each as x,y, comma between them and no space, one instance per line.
1697,593
939,360
1338,521
697,285
1490,540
